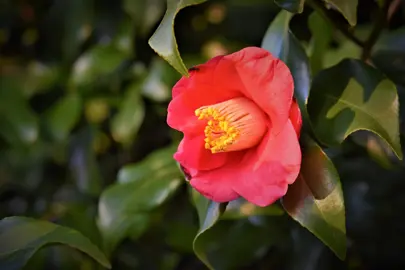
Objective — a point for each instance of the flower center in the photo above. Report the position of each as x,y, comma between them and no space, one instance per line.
232,125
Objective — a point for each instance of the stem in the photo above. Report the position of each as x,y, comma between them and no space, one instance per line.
319,7
379,25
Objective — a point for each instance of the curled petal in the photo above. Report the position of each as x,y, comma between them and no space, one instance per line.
267,81
261,175
192,155
295,117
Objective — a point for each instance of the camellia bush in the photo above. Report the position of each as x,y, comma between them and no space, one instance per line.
270,140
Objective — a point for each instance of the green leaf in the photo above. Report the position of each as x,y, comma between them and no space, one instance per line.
99,61
209,213
145,13
123,207
389,55
281,42
360,98
129,118
21,237
294,6
83,164
348,8
321,37
316,200
63,115
236,244
157,165
163,41
16,112
240,208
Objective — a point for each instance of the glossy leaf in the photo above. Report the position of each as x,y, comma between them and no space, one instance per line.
236,244
240,208
360,98
316,200
17,113
99,61
125,206
294,6
321,32
389,55
128,120
209,213
158,164
21,237
348,8
63,115
283,44
163,41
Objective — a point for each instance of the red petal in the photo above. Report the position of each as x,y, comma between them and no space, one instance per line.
192,154
295,117
261,176
211,83
267,81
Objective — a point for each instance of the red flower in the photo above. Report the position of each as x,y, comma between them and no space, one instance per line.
240,126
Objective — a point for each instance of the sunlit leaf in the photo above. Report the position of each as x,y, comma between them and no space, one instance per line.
21,237
281,42
163,41
294,6
128,120
316,200
360,98
348,8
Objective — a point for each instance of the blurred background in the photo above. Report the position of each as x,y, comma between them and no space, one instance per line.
83,107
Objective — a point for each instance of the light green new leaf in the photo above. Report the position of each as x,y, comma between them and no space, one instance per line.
282,43
294,6
348,8
353,96
316,200
21,237
129,118
163,41
63,115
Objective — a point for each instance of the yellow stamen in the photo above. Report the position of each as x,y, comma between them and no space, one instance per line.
232,125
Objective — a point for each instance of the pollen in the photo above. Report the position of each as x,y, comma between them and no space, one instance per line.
232,125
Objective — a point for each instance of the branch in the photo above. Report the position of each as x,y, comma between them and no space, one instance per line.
325,13
379,25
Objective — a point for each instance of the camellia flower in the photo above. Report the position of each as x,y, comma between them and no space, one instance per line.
241,127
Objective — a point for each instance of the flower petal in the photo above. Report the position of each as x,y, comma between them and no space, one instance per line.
192,154
260,175
267,81
210,83
295,117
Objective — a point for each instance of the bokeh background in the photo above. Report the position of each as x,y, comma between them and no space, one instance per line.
83,96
